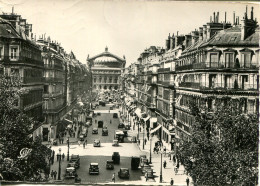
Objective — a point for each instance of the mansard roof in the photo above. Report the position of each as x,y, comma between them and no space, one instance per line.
232,37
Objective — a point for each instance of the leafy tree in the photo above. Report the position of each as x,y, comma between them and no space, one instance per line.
222,149
15,131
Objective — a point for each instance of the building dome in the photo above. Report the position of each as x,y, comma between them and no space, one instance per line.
105,59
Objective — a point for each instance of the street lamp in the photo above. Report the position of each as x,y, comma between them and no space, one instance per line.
68,155
150,146
59,164
143,134
161,152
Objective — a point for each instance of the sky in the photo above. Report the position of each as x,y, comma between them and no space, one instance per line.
126,27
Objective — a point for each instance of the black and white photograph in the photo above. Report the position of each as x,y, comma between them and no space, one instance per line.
120,92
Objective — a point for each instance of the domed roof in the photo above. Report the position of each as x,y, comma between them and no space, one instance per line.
105,59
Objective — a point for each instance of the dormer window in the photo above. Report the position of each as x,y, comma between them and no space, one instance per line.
14,53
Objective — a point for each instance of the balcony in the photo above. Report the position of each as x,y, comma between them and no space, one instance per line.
32,80
52,79
214,65
220,86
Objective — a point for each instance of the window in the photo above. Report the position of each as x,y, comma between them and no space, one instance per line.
14,53
245,60
213,59
46,89
229,60
1,52
95,80
228,81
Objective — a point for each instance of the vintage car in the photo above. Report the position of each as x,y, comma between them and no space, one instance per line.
93,168
75,159
72,164
115,115
144,161
150,173
100,124
146,168
104,132
96,143
121,125
123,173
115,143
135,162
116,157
70,172
94,131
110,164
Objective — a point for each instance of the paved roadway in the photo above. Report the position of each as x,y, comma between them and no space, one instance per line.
100,154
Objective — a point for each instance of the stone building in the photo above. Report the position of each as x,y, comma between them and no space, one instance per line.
21,57
106,71
216,63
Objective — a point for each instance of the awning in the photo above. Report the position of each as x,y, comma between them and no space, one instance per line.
153,120
145,119
154,130
138,112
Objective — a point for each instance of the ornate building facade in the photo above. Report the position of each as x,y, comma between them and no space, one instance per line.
106,71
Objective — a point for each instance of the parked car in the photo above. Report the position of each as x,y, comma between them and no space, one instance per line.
110,164
135,162
116,157
97,143
123,173
146,168
104,132
94,131
93,168
100,124
75,159
70,172
121,125
115,115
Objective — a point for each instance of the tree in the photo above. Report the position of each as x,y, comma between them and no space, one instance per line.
15,132
222,149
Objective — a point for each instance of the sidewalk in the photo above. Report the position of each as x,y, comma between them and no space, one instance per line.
167,173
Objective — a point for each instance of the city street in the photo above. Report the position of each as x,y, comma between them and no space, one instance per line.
101,154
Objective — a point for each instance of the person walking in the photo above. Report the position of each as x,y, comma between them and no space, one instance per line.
171,182
52,174
164,149
84,144
146,175
145,140
164,164
110,121
113,178
63,157
55,175
187,181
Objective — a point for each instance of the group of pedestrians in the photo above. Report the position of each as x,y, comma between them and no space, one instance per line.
53,174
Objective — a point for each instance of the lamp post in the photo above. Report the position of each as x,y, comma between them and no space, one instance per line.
161,152
143,135
150,147
68,155
59,164
138,130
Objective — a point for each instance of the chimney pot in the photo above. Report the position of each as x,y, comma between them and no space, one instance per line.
225,17
214,17
252,13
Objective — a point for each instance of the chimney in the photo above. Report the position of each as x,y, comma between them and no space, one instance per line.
214,17
187,41
238,20
200,34
210,19
12,9
194,36
252,13
234,17
217,17
225,17
172,42
204,33
246,13
167,44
